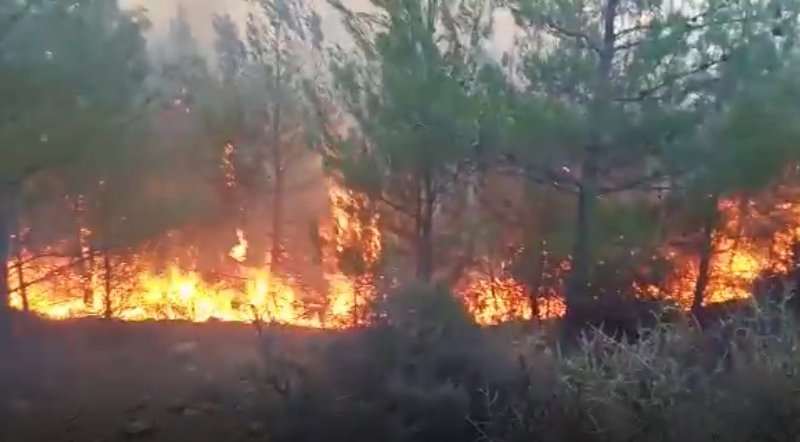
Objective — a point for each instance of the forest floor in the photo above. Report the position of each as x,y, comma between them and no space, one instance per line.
97,381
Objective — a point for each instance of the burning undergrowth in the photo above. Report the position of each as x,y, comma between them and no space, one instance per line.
340,276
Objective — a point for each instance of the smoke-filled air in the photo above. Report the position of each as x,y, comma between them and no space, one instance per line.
402,220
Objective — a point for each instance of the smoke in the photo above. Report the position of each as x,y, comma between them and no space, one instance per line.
201,12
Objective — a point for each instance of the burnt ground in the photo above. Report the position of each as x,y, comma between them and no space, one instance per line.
93,381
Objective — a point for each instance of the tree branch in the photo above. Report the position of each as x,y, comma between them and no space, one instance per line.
632,184
50,274
394,206
543,175
689,26
556,28
647,92
662,25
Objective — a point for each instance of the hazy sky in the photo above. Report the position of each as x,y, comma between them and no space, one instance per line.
200,13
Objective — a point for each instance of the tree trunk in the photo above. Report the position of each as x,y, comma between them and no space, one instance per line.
9,199
276,248
81,240
706,255
536,281
107,269
88,278
425,230
20,269
578,298
23,290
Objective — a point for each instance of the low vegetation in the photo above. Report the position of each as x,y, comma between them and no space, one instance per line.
425,373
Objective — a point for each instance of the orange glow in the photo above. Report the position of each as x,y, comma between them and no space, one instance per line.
494,300
750,241
135,292
741,255
493,297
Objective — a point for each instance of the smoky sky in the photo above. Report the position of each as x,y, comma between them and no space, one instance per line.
200,13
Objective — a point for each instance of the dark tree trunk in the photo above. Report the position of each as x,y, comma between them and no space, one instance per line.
88,287
9,199
706,255
579,301
20,270
5,308
536,281
425,208
536,265
21,287
578,296
276,248
78,209
108,311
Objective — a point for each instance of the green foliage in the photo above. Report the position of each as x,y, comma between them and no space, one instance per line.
624,227
71,75
416,115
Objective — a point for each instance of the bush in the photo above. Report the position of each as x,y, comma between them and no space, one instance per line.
411,376
424,372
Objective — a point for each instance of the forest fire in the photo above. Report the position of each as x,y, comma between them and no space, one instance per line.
498,299
61,288
750,243
743,251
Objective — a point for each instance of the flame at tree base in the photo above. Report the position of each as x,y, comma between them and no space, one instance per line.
128,289
178,294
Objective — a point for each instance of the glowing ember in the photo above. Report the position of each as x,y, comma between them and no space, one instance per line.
740,255
239,251
494,300
353,225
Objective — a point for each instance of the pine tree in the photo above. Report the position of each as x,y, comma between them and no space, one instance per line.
605,90
70,81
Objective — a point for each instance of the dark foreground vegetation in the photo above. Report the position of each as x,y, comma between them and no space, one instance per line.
424,372
427,374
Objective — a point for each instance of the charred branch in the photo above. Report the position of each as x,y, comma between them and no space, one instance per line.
540,174
557,30
692,22
670,80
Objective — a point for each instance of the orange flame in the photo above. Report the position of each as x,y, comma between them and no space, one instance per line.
132,290
740,254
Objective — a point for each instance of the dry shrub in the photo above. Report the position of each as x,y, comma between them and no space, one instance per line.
424,372
412,376
734,382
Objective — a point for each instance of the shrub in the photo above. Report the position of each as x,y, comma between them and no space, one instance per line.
412,375
424,372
